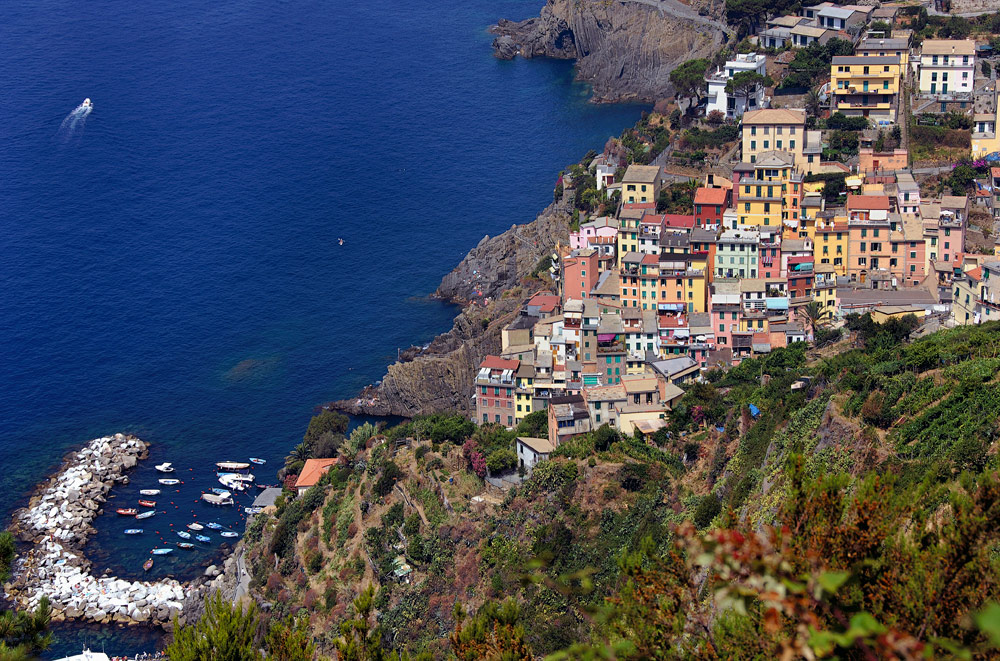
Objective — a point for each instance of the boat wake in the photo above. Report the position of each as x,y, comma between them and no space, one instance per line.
72,127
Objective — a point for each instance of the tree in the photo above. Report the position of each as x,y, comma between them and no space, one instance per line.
689,78
747,84
492,634
961,178
359,640
535,425
23,634
813,102
225,632
957,27
326,421
7,551
290,640
986,68
814,313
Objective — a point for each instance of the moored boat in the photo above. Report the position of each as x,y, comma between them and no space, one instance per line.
127,511
161,551
145,515
259,462
203,539
169,481
195,526
219,491
231,466
133,531
185,545
165,467
148,503
183,534
229,533
149,492
215,499
213,525
253,510
148,564
265,486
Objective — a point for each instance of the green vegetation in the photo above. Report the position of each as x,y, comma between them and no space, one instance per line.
813,62
689,79
676,198
24,634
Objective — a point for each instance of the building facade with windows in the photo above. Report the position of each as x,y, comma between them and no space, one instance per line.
947,67
495,383
866,86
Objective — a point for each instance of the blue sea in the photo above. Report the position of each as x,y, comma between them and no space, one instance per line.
170,264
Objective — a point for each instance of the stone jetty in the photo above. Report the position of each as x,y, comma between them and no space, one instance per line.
57,522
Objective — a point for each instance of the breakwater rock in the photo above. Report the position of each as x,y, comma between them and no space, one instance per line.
488,282
625,49
57,522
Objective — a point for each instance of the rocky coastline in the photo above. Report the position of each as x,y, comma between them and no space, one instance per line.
58,522
625,49
488,283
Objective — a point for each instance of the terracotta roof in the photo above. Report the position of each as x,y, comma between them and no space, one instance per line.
976,273
710,196
650,259
678,220
312,471
545,301
775,116
498,363
870,202
995,172
640,205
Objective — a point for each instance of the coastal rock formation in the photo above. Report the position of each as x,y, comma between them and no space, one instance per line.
58,521
624,49
439,377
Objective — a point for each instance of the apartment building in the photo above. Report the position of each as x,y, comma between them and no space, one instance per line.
947,67
866,86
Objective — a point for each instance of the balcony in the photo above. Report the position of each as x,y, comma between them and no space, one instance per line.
611,347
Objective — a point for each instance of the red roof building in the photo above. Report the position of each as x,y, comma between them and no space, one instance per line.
710,204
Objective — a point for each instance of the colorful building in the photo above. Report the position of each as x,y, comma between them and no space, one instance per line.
495,383
768,130
866,86
947,67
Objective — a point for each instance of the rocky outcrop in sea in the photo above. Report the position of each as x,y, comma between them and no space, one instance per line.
57,522
439,377
625,49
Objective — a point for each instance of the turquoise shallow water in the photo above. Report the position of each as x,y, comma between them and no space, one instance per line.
170,266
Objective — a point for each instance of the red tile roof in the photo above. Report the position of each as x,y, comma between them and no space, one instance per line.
545,301
870,202
976,273
710,195
995,172
640,205
678,220
312,471
650,259
498,363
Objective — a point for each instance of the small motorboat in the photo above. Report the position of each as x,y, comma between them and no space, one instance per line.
148,564
161,551
145,515
235,477
195,526
203,539
229,533
149,492
259,462
253,510
127,511
165,467
216,499
185,545
219,491
231,466
87,105
265,486
214,526
148,503
169,481
133,531
183,534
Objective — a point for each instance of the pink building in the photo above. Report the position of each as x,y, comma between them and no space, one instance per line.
580,271
601,227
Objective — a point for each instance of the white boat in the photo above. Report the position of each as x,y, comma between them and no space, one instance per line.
215,499
165,467
86,655
259,462
237,477
149,492
195,526
232,485
145,515
231,466
229,533
169,481
253,510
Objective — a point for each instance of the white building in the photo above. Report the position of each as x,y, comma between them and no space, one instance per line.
532,450
947,67
733,106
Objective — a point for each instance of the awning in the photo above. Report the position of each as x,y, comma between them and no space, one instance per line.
777,303
606,337
670,307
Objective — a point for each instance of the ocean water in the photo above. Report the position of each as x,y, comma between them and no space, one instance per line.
170,264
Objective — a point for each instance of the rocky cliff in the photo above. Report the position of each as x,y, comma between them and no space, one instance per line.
625,50
488,281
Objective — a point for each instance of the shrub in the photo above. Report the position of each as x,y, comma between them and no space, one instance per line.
708,508
501,461
274,582
390,474
314,562
412,525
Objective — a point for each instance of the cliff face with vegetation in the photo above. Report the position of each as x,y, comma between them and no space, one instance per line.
492,282
625,50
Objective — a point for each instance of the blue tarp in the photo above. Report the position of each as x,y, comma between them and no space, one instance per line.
754,411
720,429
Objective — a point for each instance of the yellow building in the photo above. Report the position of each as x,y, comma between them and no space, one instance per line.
524,382
768,192
865,86
629,226
891,47
825,288
641,184
984,131
830,244
782,129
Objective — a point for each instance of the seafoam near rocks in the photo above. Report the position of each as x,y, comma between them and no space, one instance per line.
58,521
